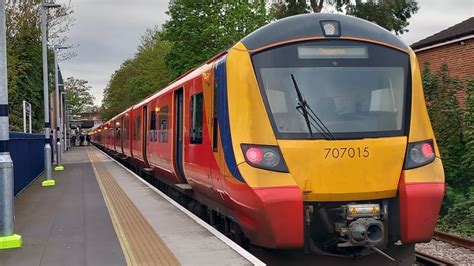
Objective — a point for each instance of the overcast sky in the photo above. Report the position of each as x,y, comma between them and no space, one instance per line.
108,31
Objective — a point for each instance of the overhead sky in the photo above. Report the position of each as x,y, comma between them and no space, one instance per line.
107,32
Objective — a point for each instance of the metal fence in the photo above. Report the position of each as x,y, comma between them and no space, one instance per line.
27,152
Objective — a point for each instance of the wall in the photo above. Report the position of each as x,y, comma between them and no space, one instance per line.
27,152
459,57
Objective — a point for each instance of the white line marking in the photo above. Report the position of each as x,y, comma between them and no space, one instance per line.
247,255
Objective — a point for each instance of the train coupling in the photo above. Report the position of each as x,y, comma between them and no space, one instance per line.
363,226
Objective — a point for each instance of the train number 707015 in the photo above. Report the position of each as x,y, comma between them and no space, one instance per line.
339,153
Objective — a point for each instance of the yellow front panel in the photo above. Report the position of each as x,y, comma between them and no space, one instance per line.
420,129
247,115
345,169
323,177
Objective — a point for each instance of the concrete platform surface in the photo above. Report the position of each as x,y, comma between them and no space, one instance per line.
67,224
100,213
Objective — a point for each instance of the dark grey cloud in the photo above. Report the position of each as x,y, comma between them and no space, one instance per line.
108,32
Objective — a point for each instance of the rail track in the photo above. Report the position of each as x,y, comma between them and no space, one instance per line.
454,240
427,259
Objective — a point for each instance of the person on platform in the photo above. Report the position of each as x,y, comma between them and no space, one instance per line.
81,140
73,140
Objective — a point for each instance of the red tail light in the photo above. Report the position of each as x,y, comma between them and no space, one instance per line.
419,154
265,157
427,150
254,155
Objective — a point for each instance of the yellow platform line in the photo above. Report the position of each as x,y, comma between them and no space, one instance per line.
140,243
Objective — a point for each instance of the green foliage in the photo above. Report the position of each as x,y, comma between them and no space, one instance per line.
24,64
199,30
460,214
24,58
392,15
454,130
290,8
468,156
446,118
139,77
78,95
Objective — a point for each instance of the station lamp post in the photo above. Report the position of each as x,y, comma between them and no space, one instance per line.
49,181
7,238
59,127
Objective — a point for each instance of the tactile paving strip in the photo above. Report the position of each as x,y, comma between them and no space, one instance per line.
140,242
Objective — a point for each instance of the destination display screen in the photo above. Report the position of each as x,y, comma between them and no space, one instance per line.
332,52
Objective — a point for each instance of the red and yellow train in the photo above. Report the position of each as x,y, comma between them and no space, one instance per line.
312,132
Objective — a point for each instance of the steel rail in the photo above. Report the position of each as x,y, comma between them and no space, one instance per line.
454,240
427,259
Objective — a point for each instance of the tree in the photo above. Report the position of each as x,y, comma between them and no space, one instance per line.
390,14
199,30
138,77
468,156
23,36
78,95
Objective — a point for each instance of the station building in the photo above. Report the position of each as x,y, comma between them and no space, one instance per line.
453,46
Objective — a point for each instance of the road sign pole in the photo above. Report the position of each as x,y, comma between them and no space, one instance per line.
7,238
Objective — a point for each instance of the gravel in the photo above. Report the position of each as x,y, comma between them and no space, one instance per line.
458,255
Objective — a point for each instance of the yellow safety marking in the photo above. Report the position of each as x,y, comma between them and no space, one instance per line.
374,210
140,243
354,211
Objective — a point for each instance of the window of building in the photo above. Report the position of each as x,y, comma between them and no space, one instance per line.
196,118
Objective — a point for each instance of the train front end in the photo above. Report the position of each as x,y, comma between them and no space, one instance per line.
332,133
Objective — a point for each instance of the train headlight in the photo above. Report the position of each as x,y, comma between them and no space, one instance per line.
265,157
331,28
419,154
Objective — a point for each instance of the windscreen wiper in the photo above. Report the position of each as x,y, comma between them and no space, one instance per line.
311,118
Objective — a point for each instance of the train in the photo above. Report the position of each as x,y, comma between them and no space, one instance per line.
310,133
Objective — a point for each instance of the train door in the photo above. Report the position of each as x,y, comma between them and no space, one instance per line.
121,134
145,133
178,132
216,172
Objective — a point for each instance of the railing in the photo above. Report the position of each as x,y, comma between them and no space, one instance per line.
27,152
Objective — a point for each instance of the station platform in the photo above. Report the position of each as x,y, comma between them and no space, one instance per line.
100,213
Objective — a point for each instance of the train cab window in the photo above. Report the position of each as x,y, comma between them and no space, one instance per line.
196,118
136,128
163,124
153,133
356,89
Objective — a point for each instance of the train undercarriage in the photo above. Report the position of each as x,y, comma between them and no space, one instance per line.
331,229
351,229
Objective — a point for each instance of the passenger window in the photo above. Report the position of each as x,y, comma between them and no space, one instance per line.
136,128
196,118
153,133
126,126
163,124
117,132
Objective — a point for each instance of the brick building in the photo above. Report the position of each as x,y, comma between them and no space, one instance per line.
453,46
